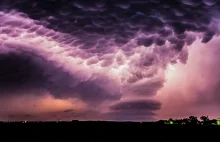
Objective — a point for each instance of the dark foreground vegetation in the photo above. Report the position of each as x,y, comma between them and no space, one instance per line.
185,129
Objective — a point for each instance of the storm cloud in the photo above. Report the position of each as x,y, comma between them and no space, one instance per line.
135,110
101,51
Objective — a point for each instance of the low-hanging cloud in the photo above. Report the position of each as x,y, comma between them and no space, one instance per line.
133,110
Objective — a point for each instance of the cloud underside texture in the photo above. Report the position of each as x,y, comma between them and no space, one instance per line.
100,51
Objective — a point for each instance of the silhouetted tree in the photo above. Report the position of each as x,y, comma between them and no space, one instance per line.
179,121
213,121
193,120
170,119
186,120
205,120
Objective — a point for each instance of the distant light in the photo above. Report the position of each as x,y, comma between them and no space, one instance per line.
171,122
218,122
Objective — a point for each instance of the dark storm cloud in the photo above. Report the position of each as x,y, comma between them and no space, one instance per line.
208,36
19,73
99,26
134,110
130,116
136,105
26,73
121,20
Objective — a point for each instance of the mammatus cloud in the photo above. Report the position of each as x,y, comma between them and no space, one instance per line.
99,52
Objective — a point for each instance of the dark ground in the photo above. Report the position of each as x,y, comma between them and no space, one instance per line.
105,131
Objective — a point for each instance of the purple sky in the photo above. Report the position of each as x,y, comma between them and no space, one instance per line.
109,60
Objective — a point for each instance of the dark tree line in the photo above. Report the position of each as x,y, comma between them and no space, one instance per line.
192,120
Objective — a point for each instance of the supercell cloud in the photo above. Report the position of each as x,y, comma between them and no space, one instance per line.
111,56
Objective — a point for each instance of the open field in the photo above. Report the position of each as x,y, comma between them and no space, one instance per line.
105,131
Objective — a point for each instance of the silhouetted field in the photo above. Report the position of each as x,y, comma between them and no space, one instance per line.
105,131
